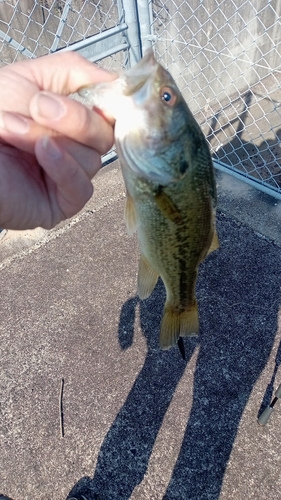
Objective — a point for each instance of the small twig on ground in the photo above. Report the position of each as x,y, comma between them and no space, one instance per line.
61,408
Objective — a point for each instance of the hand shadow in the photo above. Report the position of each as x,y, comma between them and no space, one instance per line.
239,294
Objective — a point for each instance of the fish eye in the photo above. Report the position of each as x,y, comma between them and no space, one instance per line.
168,96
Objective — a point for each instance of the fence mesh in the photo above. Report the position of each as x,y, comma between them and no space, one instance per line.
33,28
225,55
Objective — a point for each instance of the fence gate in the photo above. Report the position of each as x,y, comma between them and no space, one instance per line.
225,55
97,29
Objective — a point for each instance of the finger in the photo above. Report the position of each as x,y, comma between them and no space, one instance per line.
68,184
72,119
88,159
74,72
62,73
20,131
23,132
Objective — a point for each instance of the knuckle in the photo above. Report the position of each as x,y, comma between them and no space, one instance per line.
82,121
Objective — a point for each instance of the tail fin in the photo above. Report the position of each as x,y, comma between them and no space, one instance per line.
175,324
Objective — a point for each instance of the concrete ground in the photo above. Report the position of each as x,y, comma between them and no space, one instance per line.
139,423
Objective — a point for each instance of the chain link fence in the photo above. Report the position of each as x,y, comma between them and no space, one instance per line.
225,55
31,28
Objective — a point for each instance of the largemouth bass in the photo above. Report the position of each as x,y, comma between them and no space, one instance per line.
171,192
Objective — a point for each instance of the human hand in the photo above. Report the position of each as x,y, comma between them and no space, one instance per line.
50,145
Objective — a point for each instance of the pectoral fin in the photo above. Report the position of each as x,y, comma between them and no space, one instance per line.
167,206
147,278
130,215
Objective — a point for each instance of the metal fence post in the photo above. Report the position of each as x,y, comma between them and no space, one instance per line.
133,32
145,22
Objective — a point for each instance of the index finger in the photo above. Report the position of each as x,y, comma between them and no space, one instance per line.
63,72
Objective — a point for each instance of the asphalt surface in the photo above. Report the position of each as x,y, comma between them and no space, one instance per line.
139,423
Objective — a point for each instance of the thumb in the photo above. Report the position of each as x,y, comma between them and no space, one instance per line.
68,183
72,119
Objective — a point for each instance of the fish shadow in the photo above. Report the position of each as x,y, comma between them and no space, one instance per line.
238,292
125,452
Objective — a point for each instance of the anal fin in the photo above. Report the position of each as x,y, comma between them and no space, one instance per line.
178,324
147,278
215,243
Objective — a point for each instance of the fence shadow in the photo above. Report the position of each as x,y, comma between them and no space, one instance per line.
239,296
260,161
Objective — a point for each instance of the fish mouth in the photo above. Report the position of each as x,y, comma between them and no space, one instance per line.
134,83
136,77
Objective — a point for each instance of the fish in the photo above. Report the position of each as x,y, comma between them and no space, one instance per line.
171,191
